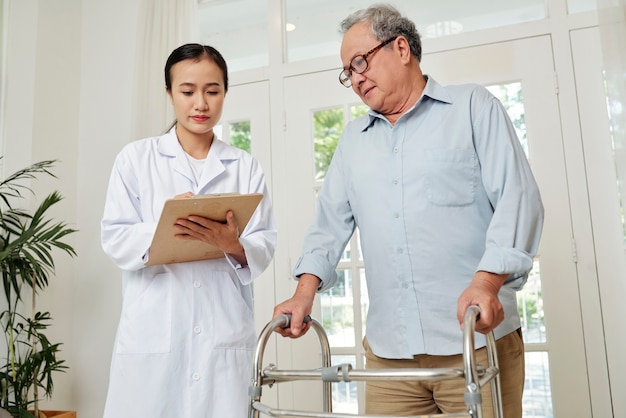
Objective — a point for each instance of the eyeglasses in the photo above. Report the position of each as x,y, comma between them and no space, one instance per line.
358,64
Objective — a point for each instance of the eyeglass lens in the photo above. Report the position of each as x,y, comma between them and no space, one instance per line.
359,64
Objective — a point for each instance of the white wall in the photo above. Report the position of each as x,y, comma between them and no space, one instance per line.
41,123
20,86
70,74
104,127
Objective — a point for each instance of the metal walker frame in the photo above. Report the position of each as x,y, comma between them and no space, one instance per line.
475,375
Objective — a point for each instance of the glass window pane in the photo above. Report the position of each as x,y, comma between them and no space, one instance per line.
365,301
345,398
510,95
312,28
358,111
453,17
616,103
346,255
338,312
327,128
537,398
238,29
358,244
239,135
313,25
530,308
577,6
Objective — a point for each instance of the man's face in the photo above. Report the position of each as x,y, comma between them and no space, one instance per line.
376,85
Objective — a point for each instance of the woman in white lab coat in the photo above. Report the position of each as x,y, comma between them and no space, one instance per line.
186,334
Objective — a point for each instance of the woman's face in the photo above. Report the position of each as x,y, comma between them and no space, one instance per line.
197,95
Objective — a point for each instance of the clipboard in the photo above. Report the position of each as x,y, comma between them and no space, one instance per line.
166,248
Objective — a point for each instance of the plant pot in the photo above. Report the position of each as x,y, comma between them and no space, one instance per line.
57,414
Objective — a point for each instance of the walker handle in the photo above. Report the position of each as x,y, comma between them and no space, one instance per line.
287,320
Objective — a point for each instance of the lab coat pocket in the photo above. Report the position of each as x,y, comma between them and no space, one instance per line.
233,300
451,176
146,320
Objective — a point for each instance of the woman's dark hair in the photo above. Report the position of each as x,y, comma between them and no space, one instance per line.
195,52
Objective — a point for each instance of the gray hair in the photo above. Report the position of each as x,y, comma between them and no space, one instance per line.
386,22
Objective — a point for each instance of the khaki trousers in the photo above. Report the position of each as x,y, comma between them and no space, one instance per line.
447,396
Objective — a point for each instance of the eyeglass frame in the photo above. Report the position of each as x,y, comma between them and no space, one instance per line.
351,69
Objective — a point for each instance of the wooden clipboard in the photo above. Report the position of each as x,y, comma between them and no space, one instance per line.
166,248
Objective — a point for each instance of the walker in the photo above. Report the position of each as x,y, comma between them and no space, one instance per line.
475,376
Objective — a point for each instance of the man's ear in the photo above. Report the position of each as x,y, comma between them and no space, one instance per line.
404,49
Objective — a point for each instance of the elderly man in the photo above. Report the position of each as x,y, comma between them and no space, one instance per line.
449,216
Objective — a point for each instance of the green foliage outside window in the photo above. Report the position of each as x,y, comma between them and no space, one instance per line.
240,136
510,95
358,111
327,126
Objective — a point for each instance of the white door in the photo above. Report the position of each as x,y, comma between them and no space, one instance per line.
556,371
245,124
602,274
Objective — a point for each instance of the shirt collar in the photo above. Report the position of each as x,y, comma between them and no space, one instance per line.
432,90
435,91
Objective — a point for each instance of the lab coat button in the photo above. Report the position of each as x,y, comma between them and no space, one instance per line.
195,376
197,330
196,284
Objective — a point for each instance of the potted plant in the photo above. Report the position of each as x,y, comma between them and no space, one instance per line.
28,242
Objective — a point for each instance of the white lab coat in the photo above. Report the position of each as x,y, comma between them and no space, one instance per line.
186,334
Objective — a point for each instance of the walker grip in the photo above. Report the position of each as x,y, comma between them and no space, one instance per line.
287,320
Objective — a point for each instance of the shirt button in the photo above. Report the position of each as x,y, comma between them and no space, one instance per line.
195,376
395,150
197,330
400,251
197,284
395,182
396,215
405,285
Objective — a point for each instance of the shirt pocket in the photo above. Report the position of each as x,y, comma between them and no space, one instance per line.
146,319
451,176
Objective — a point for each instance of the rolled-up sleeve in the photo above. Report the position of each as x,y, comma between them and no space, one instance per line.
331,229
514,232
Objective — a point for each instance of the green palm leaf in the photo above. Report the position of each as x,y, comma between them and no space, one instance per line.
28,246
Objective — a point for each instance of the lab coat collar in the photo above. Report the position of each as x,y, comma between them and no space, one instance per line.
219,155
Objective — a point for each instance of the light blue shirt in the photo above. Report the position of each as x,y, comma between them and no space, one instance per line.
443,193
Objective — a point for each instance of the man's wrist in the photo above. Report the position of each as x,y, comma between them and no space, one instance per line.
491,280
308,284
